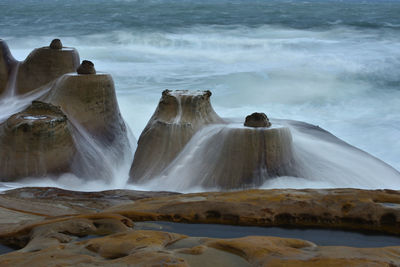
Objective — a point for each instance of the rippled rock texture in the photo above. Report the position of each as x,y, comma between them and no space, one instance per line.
179,115
110,237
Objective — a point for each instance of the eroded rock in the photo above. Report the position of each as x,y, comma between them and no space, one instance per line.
7,65
257,120
55,240
86,67
56,44
179,115
45,64
35,142
91,102
329,208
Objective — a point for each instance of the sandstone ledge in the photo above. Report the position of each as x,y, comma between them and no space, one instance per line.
49,240
375,210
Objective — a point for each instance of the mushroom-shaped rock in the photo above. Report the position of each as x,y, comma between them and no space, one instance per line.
35,142
179,115
232,157
7,66
86,67
56,44
257,120
90,101
43,65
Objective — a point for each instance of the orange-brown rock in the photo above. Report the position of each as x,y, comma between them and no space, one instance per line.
154,248
43,65
90,102
50,201
179,115
35,142
7,64
55,241
375,210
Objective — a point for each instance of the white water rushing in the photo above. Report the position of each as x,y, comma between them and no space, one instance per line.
343,76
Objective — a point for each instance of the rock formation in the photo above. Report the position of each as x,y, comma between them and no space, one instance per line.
45,64
35,142
56,44
7,63
257,120
232,157
90,101
87,67
179,115
52,227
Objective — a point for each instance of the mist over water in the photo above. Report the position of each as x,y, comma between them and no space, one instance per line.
331,63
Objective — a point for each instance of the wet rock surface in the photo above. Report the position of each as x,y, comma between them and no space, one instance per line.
47,144
35,142
7,62
115,241
179,115
43,65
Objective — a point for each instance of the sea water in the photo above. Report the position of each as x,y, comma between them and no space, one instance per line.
331,63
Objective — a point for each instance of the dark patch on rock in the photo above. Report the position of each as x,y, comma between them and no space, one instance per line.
213,214
388,219
257,120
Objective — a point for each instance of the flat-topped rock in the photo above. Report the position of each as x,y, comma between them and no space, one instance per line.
35,142
90,100
45,64
231,156
179,115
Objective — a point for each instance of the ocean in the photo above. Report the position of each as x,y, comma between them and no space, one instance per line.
331,63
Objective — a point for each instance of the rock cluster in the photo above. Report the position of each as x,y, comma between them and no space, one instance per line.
58,133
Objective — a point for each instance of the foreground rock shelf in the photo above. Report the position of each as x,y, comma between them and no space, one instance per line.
46,225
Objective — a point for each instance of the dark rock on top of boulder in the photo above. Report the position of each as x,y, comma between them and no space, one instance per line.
56,44
87,67
257,120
